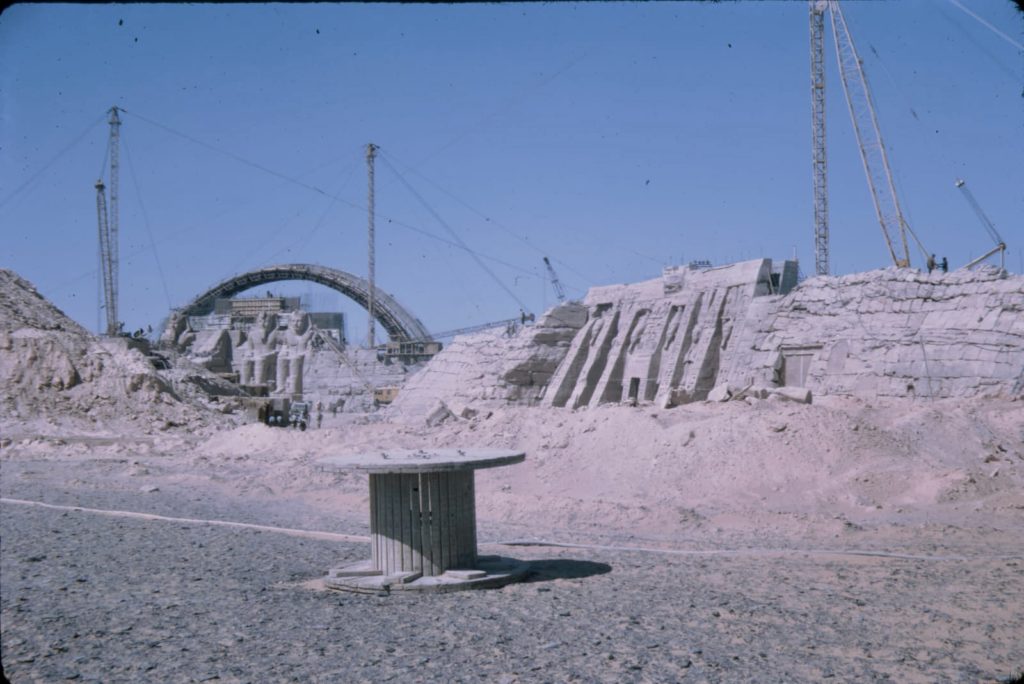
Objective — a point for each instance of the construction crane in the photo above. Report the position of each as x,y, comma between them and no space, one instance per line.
108,228
988,225
105,270
555,283
869,139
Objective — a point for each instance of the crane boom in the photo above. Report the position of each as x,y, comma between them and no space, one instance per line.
869,139
555,283
105,258
989,226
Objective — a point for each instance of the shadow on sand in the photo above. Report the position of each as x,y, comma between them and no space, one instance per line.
563,568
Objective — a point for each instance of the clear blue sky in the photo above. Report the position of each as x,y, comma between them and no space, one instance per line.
614,138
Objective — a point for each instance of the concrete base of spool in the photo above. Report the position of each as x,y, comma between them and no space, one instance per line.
491,571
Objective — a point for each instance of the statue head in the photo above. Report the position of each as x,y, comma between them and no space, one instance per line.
300,323
266,323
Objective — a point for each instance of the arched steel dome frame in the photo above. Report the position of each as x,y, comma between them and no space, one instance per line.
396,319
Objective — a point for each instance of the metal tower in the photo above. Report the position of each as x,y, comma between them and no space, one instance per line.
819,159
371,153
108,228
115,251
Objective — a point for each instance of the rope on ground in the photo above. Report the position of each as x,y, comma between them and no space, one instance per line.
335,536
309,534
746,552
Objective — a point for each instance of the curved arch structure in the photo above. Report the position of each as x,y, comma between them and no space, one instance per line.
396,320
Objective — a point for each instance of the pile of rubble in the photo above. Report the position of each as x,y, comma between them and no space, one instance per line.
54,372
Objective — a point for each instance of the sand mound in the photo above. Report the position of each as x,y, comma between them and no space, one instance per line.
832,467
56,376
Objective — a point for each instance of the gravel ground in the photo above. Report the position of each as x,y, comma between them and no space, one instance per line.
91,597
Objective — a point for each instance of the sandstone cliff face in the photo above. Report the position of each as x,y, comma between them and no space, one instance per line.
663,340
495,367
52,369
895,332
672,340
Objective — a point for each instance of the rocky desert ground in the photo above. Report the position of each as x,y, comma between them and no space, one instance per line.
148,533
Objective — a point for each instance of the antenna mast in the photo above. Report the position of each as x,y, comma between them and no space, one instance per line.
371,153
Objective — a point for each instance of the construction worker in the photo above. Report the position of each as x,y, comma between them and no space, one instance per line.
945,265
931,263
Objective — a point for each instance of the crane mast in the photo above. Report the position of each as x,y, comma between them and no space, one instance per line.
371,153
108,227
869,139
115,256
820,165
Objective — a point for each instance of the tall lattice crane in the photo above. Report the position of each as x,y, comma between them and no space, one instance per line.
869,139
108,227
820,162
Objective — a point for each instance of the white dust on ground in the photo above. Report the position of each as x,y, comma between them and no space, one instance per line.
680,474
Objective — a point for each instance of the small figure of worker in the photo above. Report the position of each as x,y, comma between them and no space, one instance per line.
319,419
945,265
931,263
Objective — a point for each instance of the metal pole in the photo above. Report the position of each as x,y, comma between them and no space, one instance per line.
371,152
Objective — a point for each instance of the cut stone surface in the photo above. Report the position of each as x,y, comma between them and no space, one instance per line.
673,340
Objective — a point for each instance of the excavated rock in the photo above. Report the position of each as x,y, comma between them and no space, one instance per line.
698,334
495,367
52,369
895,332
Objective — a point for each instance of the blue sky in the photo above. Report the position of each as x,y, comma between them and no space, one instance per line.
615,138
